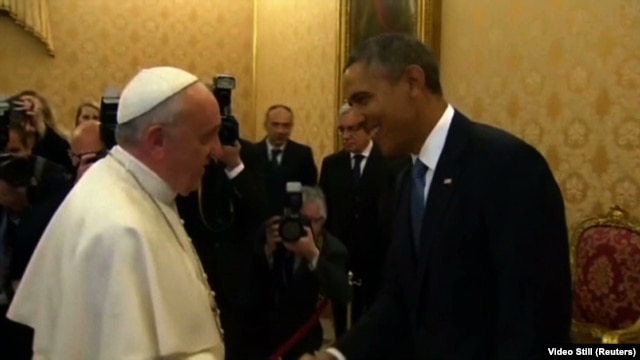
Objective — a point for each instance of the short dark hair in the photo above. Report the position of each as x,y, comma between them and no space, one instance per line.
394,52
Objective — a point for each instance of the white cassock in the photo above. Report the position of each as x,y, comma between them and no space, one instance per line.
110,280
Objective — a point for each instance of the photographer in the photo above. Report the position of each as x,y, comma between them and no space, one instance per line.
31,189
292,276
35,113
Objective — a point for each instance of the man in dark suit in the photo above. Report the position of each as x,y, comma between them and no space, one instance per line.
481,272
222,219
354,181
292,276
283,160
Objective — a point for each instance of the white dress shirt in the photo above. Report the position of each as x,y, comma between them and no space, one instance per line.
365,153
270,148
429,155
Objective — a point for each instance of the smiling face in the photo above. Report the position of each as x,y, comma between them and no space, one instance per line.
387,106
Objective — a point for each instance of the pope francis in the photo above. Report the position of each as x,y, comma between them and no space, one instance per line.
115,275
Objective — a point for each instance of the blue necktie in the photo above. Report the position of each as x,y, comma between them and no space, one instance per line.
418,185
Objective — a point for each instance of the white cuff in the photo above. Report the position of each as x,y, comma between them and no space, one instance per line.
205,355
336,353
236,170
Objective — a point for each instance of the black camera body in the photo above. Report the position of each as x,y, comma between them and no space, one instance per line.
15,170
109,118
291,227
222,88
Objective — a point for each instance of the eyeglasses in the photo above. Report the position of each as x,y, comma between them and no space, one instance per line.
75,158
342,130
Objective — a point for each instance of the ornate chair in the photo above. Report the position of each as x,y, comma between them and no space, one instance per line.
605,258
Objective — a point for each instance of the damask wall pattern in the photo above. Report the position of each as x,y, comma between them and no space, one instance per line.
296,64
101,43
565,76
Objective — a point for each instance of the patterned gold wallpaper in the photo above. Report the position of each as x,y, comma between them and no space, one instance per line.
102,43
296,59
564,75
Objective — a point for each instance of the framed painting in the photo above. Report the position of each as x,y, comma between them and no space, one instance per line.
362,19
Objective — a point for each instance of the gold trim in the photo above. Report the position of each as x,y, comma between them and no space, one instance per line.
584,332
38,33
428,29
254,69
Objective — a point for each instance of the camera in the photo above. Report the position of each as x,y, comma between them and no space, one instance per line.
15,170
223,86
291,227
109,117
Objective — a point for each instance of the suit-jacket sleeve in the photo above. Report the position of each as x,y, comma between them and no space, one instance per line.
331,271
529,246
384,325
250,193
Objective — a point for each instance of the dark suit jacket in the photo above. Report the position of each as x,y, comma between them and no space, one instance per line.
297,165
356,214
492,279
285,311
234,211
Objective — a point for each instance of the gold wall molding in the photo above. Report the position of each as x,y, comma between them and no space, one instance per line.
33,16
103,43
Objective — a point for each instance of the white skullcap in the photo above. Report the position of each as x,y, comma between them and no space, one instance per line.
149,88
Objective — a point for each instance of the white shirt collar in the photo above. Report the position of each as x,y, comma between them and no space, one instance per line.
271,147
366,150
434,144
151,182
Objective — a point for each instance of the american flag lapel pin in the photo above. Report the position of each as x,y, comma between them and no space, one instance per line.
448,181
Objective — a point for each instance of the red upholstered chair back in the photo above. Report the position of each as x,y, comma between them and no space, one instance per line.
606,271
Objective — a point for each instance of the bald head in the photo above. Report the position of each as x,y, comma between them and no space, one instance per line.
86,138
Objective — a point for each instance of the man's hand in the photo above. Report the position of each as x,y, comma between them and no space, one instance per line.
231,156
271,232
305,247
33,107
14,199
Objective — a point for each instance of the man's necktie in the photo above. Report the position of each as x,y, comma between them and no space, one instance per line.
274,157
357,171
418,185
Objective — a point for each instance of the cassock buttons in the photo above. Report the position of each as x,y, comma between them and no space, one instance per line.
181,221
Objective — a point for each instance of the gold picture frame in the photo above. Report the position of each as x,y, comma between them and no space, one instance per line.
423,20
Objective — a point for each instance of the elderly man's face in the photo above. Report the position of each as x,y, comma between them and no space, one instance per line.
313,212
85,141
386,105
354,136
195,140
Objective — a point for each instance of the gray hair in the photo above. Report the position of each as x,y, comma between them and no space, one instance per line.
394,52
314,195
344,110
165,113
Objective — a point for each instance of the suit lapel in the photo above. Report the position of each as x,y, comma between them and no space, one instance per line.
370,165
263,150
442,186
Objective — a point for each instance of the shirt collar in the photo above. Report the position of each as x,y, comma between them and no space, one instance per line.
434,144
271,147
151,182
366,151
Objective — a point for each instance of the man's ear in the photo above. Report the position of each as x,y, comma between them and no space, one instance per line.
415,77
155,137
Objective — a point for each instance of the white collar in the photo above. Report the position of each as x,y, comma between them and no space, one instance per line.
434,144
366,150
271,147
152,183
